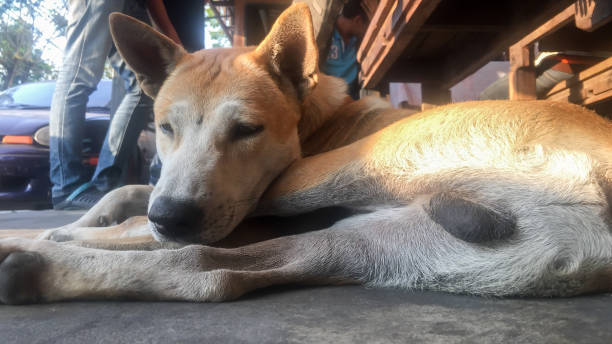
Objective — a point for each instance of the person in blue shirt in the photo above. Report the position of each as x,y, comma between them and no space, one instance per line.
342,58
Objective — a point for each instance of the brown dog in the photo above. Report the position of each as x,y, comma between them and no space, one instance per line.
489,198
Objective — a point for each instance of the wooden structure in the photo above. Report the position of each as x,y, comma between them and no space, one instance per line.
589,87
253,18
440,42
246,22
248,14
580,26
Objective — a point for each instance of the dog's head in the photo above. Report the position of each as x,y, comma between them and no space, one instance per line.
226,120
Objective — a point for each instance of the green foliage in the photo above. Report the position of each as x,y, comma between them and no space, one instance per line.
22,43
216,33
19,61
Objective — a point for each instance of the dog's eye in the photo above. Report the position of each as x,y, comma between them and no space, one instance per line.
166,128
244,130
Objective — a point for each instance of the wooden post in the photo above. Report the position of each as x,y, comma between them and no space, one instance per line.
239,9
433,95
522,76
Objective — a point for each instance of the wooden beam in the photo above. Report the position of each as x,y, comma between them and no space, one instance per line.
239,38
374,26
522,75
458,67
553,24
400,24
588,87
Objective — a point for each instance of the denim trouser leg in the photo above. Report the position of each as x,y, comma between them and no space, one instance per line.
132,115
87,46
544,83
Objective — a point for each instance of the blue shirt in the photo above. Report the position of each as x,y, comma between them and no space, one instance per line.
342,59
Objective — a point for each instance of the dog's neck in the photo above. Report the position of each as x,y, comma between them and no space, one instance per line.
329,95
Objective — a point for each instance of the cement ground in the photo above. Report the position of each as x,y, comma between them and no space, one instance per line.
306,315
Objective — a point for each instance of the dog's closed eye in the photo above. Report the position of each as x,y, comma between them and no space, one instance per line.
166,128
244,130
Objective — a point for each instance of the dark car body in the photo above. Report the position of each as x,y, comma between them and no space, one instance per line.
24,166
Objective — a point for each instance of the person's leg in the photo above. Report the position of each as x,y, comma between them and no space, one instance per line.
87,45
547,80
544,82
132,115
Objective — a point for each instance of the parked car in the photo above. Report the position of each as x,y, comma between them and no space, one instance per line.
24,141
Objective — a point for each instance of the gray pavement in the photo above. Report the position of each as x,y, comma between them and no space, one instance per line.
307,315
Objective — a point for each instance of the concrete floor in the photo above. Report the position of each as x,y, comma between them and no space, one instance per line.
307,315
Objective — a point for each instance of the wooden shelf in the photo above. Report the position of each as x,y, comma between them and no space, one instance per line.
589,87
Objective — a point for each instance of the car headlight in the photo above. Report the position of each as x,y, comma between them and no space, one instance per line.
41,136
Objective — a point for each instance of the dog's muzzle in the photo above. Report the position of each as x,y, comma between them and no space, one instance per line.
175,218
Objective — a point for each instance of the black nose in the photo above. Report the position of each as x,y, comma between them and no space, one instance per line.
175,218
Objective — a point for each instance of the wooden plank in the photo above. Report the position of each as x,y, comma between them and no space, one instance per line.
400,26
588,73
552,25
570,38
588,87
239,17
575,95
458,67
239,37
522,77
593,14
374,26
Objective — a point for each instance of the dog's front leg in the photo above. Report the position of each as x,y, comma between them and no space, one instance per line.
46,271
134,228
114,208
117,206
341,177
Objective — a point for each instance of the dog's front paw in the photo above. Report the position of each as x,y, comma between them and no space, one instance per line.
20,272
57,234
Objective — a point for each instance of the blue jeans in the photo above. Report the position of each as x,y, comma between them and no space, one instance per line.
544,83
88,45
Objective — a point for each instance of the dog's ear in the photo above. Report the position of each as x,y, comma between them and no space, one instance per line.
289,51
150,55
